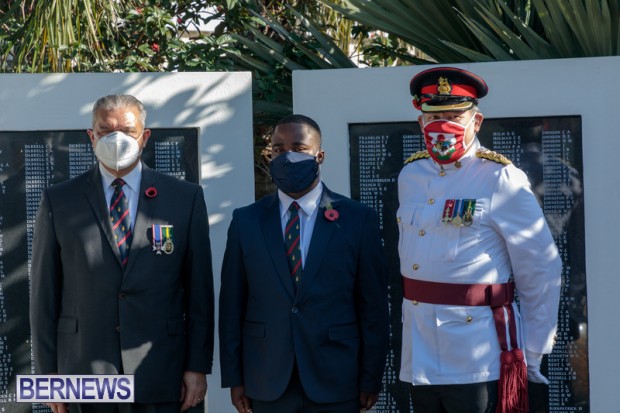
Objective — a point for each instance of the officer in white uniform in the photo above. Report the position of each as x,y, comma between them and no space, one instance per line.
471,233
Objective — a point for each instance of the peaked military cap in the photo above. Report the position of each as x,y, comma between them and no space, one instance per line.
442,89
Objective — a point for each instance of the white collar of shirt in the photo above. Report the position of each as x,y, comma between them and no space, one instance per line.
307,203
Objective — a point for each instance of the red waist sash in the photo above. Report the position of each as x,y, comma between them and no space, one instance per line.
492,295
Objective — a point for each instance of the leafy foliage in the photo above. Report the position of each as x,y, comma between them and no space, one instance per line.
485,30
50,36
272,39
106,36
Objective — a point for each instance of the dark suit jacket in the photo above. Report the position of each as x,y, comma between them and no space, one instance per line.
335,328
89,316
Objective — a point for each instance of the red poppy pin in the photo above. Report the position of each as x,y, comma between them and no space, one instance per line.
151,192
330,213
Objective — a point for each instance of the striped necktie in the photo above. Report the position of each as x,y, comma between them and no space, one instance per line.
121,222
291,241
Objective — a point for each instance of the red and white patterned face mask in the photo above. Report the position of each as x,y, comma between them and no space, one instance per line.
444,140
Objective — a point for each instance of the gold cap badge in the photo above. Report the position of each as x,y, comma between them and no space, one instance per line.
443,86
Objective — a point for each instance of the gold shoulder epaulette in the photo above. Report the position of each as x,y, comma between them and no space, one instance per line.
417,156
492,156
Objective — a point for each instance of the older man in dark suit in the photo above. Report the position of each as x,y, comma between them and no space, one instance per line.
303,302
121,272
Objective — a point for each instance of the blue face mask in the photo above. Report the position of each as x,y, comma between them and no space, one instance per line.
293,172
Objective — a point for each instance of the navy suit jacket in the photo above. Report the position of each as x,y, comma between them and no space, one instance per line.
335,327
153,319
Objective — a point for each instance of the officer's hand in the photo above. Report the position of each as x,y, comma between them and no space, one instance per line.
533,367
238,398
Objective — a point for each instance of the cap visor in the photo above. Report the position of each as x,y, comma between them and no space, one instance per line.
460,106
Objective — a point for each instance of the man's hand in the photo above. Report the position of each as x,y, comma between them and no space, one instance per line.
367,400
58,407
238,398
193,389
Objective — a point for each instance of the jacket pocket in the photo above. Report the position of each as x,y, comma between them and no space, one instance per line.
466,340
67,325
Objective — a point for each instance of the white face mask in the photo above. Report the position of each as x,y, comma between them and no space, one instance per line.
117,150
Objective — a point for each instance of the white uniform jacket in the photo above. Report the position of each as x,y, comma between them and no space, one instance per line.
445,344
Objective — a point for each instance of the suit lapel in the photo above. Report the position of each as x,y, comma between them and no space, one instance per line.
321,234
271,226
95,195
144,212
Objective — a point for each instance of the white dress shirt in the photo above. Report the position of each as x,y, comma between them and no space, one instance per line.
308,207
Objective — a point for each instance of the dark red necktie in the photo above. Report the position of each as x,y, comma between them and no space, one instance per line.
121,222
291,241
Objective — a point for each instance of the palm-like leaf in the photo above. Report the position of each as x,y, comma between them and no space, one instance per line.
54,27
419,23
481,30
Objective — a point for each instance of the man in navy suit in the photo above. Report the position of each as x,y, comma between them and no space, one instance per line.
303,303
130,293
